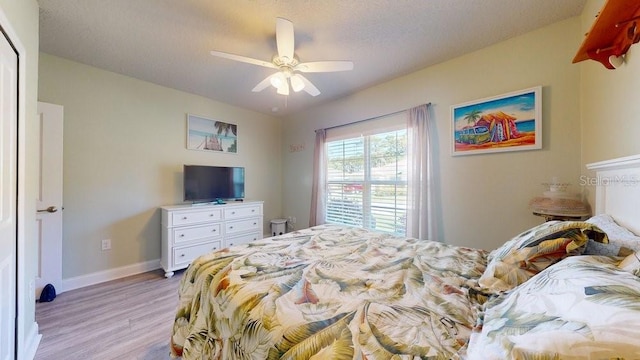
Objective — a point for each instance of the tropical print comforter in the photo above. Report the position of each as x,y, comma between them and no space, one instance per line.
329,292
584,307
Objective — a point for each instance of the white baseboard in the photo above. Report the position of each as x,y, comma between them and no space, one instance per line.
107,275
31,343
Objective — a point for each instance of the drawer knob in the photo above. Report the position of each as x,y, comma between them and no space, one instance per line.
253,210
181,235
231,227
214,230
214,248
255,223
181,255
233,213
211,215
184,218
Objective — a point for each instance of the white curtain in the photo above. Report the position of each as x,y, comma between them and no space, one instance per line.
421,215
318,188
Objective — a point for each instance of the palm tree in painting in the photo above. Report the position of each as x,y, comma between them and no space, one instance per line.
225,128
472,116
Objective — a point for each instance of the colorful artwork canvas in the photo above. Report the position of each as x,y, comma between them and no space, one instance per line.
211,135
508,122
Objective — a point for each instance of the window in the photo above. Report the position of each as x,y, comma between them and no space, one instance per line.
367,181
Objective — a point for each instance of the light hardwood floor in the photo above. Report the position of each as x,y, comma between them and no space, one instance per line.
129,318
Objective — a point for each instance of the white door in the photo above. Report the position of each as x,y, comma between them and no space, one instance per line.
49,199
8,196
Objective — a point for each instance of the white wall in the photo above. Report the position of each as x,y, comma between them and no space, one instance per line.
124,148
484,198
609,104
20,21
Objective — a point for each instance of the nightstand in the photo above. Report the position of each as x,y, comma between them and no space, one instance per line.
551,217
559,205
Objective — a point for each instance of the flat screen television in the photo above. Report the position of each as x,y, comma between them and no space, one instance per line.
213,183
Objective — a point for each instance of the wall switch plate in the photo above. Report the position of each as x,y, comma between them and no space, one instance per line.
32,290
106,244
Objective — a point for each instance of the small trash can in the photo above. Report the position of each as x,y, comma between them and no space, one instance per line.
278,226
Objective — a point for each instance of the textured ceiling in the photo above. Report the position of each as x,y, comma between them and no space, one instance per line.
167,42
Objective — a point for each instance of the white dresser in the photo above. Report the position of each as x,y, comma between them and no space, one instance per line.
189,231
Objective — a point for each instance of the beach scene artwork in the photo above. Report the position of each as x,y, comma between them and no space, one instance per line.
211,135
509,122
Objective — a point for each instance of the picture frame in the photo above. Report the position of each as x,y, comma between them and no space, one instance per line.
211,135
507,122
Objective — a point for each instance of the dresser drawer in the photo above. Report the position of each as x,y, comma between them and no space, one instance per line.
185,255
195,217
242,239
191,233
236,212
232,227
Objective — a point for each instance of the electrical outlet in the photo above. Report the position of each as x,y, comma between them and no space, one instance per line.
106,244
293,220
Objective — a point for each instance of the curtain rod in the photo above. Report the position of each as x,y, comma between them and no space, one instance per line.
373,118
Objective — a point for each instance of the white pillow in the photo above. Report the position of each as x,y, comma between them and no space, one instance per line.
622,241
609,225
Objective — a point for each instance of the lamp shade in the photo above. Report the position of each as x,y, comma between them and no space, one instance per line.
283,89
296,83
277,80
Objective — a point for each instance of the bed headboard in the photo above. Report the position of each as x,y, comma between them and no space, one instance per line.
617,184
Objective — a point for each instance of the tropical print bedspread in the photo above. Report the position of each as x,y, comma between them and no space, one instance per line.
329,292
584,307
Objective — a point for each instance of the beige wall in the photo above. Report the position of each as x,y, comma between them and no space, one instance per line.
124,148
484,198
21,23
609,105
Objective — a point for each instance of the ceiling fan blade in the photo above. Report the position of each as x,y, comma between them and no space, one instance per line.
263,84
284,38
308,86
324,66
244,59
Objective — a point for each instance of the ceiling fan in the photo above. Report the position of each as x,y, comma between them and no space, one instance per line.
288,65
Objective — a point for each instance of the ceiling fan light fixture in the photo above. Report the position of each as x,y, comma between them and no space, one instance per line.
287,64
277,80
283,89
296,83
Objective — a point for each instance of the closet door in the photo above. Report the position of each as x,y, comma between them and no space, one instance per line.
8,197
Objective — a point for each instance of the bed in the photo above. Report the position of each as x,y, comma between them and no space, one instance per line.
561,290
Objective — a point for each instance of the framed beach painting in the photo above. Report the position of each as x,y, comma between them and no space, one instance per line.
211,135
508,122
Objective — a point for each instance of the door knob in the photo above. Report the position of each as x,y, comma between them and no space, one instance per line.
50,209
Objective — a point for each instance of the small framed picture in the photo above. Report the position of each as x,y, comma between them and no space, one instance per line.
211,135
508,122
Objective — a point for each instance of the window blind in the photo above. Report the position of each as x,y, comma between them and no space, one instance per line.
367,175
